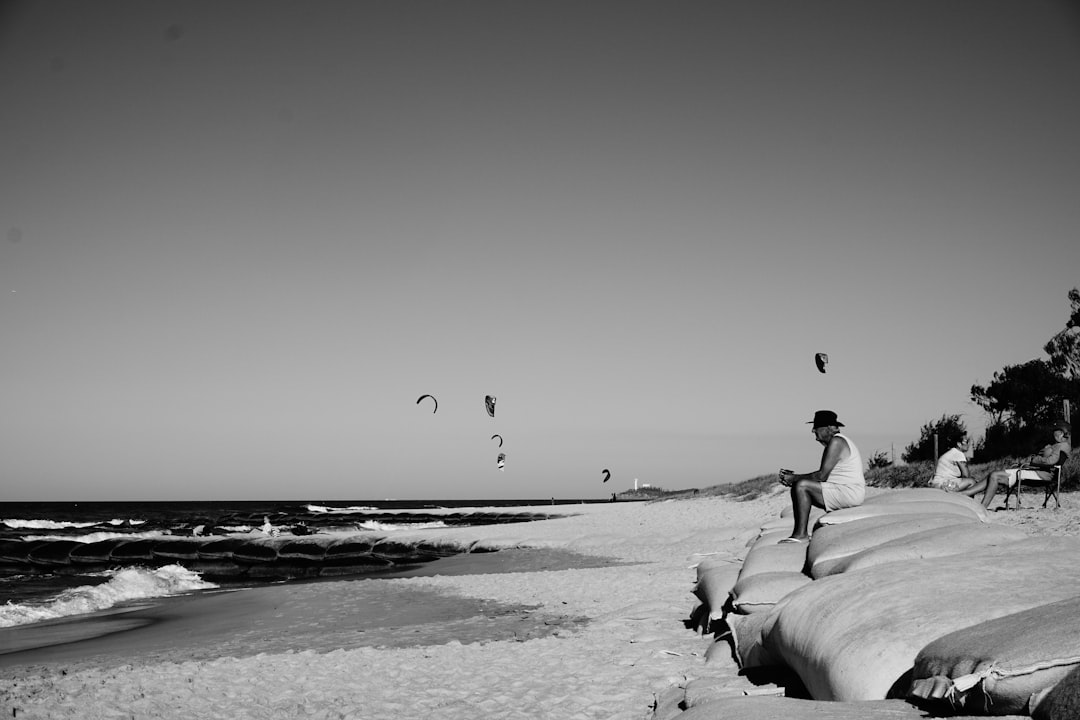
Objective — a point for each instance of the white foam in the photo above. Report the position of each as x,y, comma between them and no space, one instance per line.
338,511
126,584
103,535
390,527
44,524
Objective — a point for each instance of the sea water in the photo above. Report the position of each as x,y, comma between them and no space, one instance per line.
28,597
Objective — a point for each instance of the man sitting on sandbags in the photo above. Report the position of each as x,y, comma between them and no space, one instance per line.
837,483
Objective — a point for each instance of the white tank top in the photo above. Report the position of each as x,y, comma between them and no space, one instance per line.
850,470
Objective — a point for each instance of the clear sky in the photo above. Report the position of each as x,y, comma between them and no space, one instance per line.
238,240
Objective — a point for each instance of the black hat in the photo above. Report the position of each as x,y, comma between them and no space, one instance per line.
825,418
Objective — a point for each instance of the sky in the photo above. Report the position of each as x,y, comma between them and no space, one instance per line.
238,240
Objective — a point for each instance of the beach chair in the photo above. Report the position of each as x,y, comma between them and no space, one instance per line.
1052,485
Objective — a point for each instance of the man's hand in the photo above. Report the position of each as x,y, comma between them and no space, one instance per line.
787,477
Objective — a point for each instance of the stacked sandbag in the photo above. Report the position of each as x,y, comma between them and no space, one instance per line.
832,543
853,636
1006,665
938,542
1062,702
715,578
948,506
935,495
784,708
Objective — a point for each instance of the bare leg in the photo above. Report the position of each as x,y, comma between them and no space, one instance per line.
805,494
992,481
974,489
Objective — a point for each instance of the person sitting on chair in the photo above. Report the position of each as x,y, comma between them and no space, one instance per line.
837,483
952,473
1035,467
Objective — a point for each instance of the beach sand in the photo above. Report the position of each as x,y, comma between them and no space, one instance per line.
583,616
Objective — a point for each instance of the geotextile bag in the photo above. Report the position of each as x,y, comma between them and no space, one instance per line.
746,642
1063,700
789,557
785,708
834,542
928,494
914,507
855,635
714,583
939,542
1004,665
757,593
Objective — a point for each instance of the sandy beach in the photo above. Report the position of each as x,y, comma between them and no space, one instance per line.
583,616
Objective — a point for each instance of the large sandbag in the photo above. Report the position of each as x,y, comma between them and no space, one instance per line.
940,542
714,583
853,636
924,507
746,643
757,593
834,542
785,557
787,519
1062,702
784,708
1006,665
769,537
928,494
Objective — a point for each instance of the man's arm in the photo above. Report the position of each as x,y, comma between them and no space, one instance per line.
833,454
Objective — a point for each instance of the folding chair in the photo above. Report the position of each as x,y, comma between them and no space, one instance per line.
1052,485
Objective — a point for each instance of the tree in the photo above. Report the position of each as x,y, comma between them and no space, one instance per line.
1022,400
880,459
1064,348
949,429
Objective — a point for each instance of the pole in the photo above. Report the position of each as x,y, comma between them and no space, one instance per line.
935,449
1065,408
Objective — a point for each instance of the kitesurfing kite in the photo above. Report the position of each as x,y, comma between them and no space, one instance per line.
501,461
607,474
489,403
432,400
821,359
497,436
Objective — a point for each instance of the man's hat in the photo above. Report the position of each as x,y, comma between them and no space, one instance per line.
1062,425
825,418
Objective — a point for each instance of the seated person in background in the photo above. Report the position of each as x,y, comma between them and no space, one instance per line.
837,483
1054,453
952,473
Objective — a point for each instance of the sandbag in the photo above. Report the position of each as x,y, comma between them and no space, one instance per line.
928,494
924,507
834,542
746,642
787,519
1062,702
853,636
769,537
760,592
940,542
789,557
785,708
714,583
1004,665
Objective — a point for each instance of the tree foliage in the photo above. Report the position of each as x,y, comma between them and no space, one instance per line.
1022,400
949,429
1064,347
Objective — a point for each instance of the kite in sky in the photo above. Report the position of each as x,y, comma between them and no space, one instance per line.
432,400
821,359
497,436
607,474
501,461
489,403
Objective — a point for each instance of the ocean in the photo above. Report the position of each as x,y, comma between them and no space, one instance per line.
61,559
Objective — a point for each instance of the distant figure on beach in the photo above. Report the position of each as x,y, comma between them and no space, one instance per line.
838,483
1053,453
951,474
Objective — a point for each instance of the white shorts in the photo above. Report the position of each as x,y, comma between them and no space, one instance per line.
838,497
1026,475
